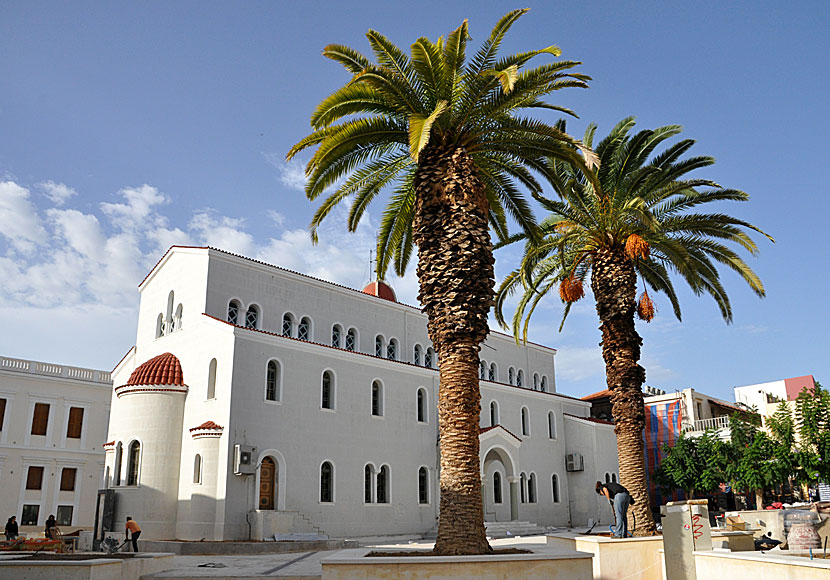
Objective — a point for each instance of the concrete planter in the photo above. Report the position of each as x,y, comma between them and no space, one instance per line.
619,558
543,563
94,569
754,566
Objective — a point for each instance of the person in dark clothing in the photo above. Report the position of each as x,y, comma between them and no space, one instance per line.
133,531
11,528
620,499
51,528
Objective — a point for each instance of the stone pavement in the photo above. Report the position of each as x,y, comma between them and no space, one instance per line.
297,565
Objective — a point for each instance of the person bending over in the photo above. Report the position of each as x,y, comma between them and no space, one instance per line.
620,499
133,531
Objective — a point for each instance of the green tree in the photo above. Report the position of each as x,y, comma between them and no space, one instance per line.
449,138
812,413
633,216
693,464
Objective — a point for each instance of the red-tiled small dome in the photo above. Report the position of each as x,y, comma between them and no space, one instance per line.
208,425
380,289
165,369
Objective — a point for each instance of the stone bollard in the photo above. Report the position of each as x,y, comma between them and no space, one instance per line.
685,529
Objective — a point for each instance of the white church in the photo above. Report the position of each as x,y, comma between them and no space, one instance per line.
259,401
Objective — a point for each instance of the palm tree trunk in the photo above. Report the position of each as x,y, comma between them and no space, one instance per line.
614,283
455,273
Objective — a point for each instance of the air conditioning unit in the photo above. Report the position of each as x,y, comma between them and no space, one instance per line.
574,462
243,460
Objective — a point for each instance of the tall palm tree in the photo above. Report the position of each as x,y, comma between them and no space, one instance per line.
445,136
632,217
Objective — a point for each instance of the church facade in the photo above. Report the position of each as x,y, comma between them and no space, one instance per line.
259,401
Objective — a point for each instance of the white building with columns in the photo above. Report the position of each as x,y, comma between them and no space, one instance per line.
53,423
258,400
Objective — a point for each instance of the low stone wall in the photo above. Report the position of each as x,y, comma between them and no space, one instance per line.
240,548
132,568
543,563
617,558
757,566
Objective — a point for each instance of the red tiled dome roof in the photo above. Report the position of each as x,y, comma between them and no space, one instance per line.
165,369
381,290
208,425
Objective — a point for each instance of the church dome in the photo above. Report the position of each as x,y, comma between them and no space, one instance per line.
165,369
380,289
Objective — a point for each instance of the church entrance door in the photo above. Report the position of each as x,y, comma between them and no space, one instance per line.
267,479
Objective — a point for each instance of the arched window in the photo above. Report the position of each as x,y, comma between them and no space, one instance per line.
336,335
368,483
211,385
531,488
525,422
377,399
327,391
168,320
133,460
116,470
287,324
511,376
197,469
520,378
177,318
494,414
497,487
554,485
535,382
429,358
423,485
492,374
551,425
272,381
613,477
351,339
233,312
416,355
482,370
304,329
383,484
160,325
326,482
544,384
523,488
379,346
421,403
252,316
392,349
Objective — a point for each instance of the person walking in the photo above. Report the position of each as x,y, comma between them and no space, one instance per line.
11,528
620,499
133,531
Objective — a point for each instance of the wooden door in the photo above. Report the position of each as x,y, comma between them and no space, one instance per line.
267,478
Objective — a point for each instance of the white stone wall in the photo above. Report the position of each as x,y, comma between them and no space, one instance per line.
23,383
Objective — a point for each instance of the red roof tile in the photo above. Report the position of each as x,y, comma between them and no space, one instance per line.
381,290
599,395
164,369
483,430
207,425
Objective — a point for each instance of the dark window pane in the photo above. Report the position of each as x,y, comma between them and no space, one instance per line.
64,516
34,478
68,478
29,516
2,412
76,423
40,420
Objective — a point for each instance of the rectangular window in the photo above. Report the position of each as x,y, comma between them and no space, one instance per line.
34,479
68,478
2,412
29,517
64,515
40,419
76,422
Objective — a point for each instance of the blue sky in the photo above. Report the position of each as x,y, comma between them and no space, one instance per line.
127,127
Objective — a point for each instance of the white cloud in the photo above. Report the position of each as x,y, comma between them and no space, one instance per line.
579,364
19,221
58,193
292,173
276,217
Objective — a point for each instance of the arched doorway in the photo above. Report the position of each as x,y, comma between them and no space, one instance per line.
499,486
267,483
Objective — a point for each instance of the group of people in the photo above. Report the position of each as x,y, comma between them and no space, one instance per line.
132,530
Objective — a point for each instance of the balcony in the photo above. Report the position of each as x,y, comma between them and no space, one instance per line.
715,423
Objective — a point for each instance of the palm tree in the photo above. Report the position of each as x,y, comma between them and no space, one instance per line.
443,134
632,217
